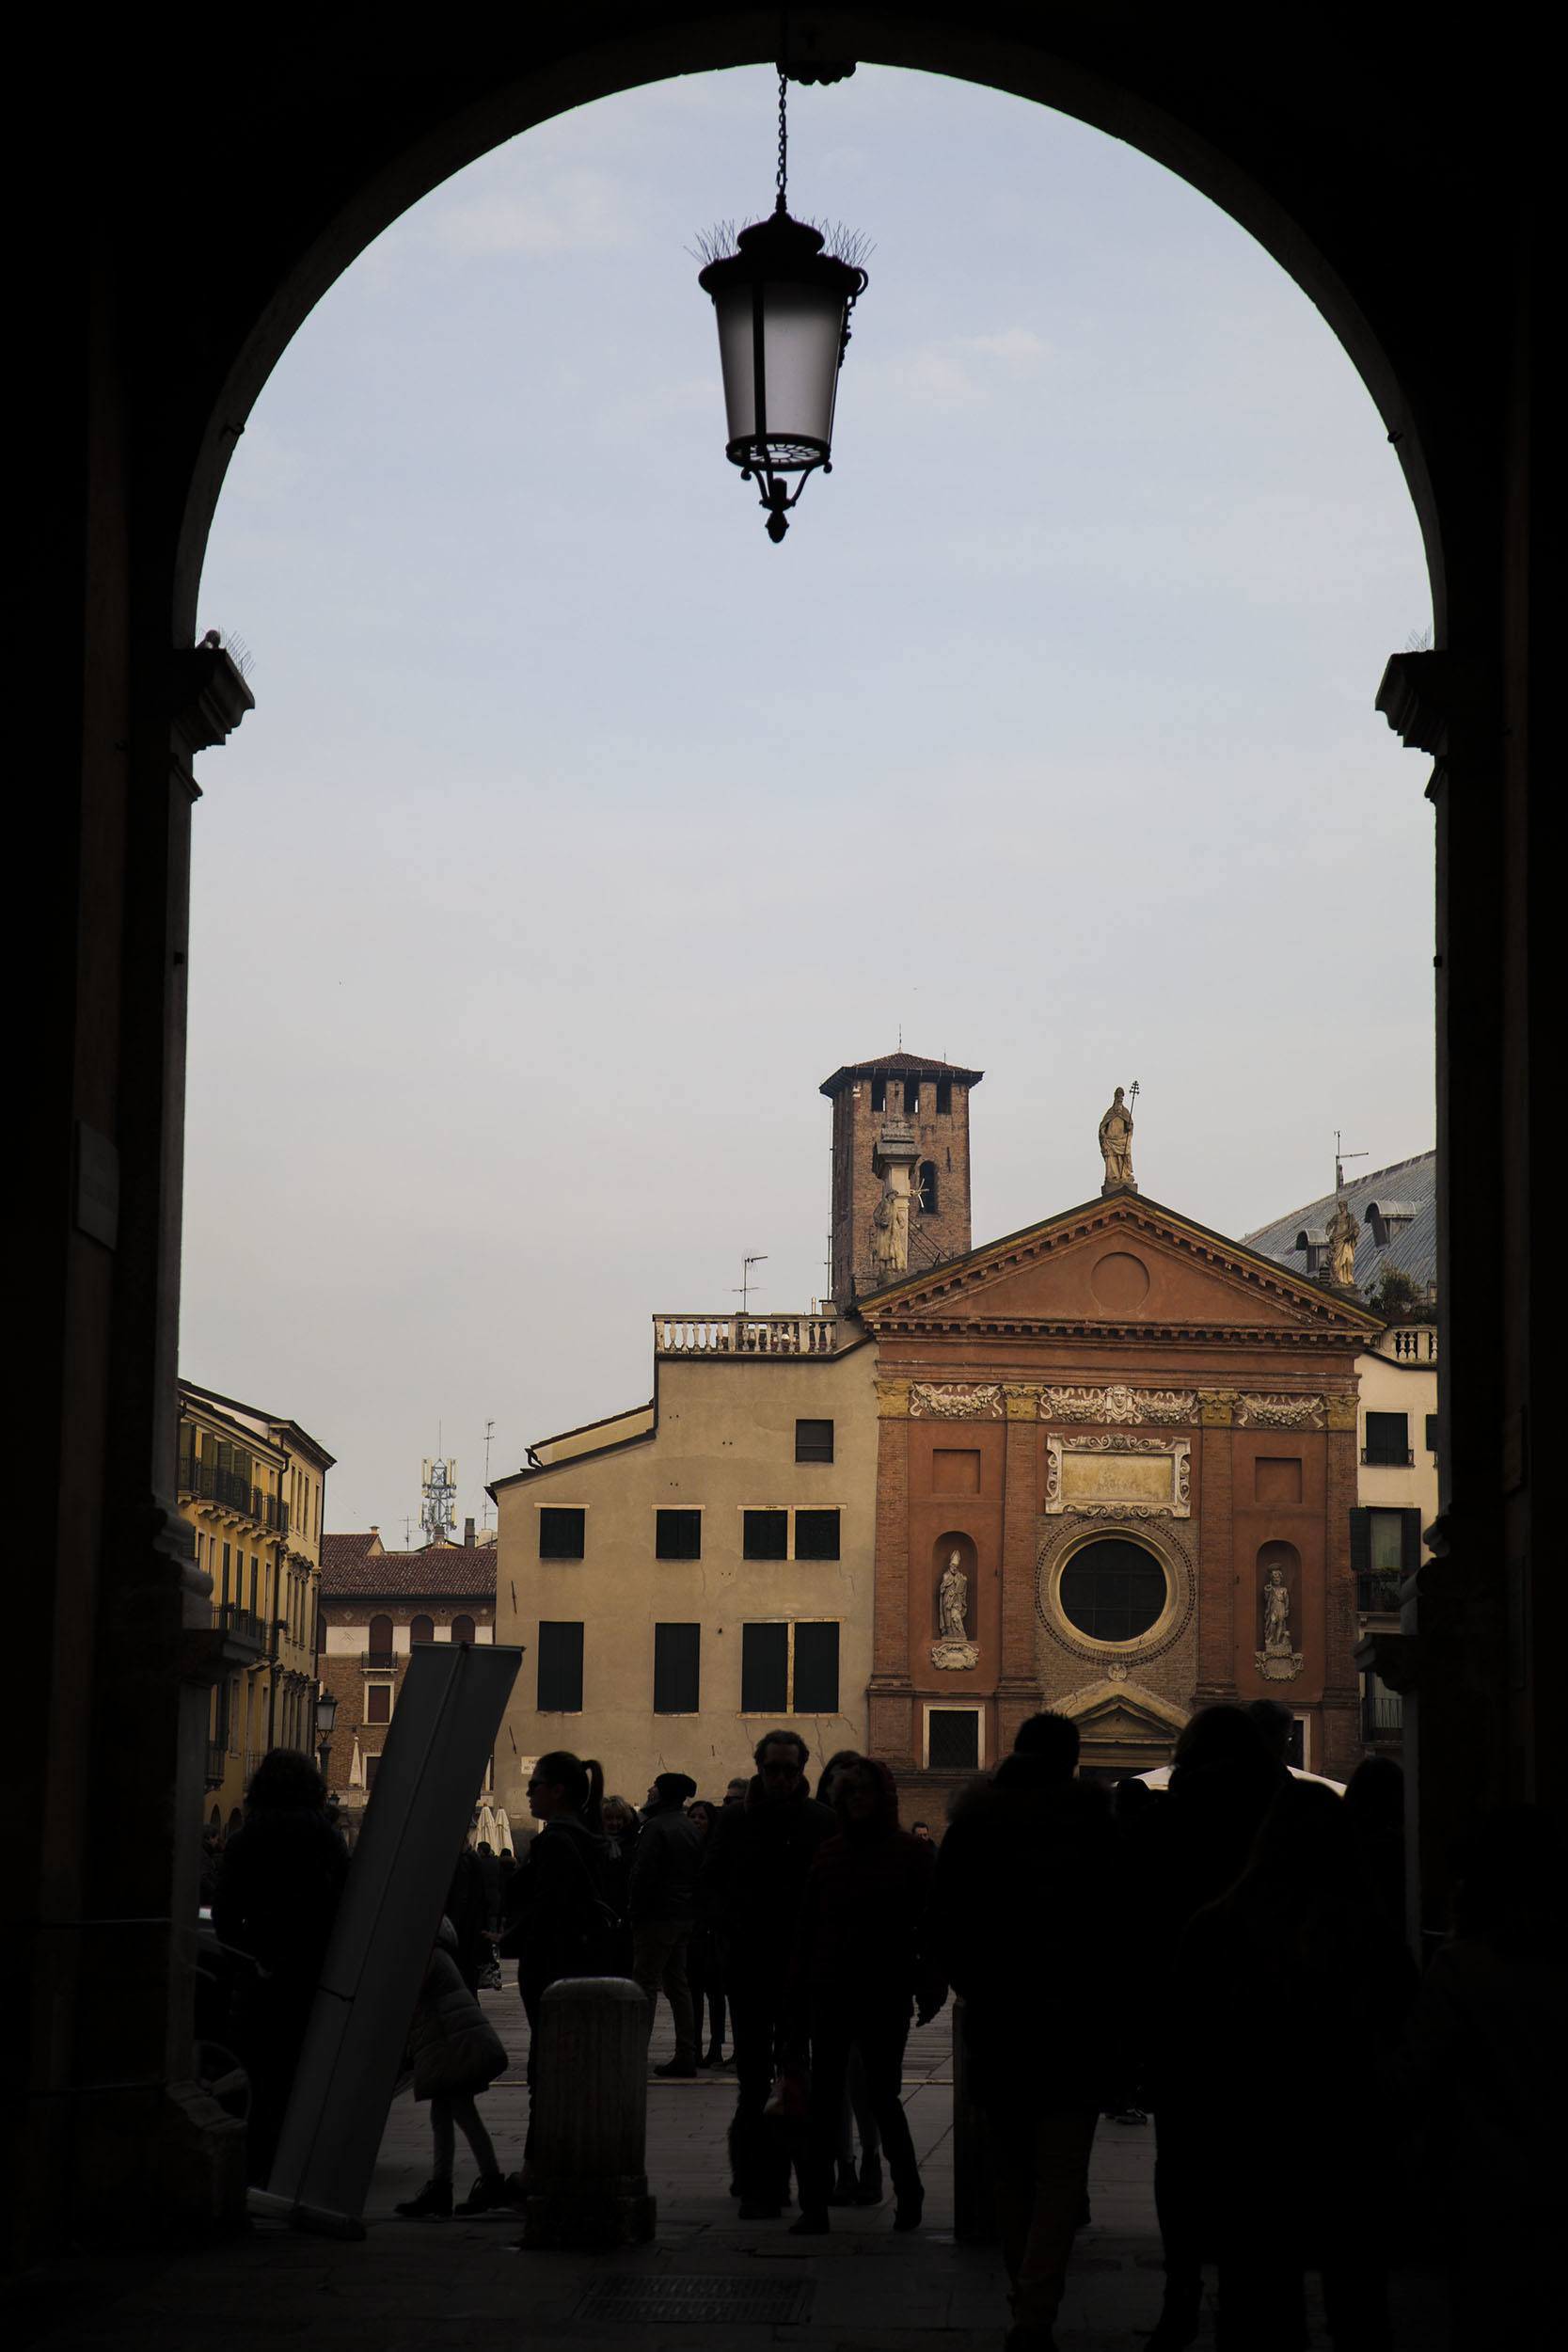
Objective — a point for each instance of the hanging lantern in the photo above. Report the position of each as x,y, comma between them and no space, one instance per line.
783,306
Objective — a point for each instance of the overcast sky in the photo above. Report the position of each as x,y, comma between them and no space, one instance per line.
579,833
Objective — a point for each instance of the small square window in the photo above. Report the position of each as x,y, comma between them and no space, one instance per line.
816,1535
814,1442
953,1738
765,1535
561,1533
1388,1439
677,1535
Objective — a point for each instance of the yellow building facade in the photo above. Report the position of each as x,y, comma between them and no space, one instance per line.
252,1486
684,1576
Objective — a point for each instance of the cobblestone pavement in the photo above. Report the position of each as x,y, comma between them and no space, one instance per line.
466,2282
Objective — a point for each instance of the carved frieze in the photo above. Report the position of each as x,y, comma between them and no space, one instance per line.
1119,1477
1280,1412
929,1401
1117,1404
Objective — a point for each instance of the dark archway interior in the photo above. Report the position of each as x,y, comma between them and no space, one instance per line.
187,232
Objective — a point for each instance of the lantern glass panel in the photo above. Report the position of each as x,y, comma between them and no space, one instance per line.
803,332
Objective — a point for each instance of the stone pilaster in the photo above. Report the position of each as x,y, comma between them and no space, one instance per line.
1018,1685
1216,1628
890,1727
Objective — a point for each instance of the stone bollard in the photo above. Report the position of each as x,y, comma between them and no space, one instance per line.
974,2185
585,2180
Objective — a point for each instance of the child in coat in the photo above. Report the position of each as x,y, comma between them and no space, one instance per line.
455,2052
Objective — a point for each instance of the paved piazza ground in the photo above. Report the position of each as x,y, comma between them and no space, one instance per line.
464,2282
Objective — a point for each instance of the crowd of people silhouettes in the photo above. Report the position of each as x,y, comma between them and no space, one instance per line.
1228,1954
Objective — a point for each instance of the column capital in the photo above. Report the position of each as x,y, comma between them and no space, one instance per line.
1020,1403
892,1400
1340,1407
1216,1408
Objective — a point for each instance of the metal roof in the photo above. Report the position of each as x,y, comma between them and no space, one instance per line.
1408,1188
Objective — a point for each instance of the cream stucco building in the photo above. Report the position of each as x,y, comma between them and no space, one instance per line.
685,1575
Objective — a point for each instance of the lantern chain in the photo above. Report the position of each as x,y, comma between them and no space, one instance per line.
782,174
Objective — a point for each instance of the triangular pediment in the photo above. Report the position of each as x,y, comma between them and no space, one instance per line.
1121,1263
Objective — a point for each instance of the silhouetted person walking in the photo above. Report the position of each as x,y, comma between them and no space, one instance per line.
558,1921
1189,1847
454,2051
859,1967
705,1954
754,1872
1483,2067
1028,1918
1287,1988
663,1898
283,1873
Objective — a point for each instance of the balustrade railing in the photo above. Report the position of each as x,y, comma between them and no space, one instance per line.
1413,1344
241,1624
1377,1593
1382,1712
745,1335
233,1492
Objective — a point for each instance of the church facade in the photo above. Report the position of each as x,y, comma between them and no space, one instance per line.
1117,1462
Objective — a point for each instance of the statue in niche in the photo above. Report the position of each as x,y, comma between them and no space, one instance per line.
1115,1141
1277,1661
1343,1235
953,1649
890,1231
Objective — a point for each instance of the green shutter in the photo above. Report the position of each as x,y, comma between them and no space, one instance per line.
765,1670
1361,1543
1410,1542
817,1669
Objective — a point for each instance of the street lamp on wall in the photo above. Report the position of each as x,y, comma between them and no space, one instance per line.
782,302
326,1715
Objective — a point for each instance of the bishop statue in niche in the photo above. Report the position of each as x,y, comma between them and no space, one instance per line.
952,1650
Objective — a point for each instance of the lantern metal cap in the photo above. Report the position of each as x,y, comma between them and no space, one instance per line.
781,251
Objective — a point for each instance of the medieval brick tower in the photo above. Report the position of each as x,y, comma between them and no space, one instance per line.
918,1109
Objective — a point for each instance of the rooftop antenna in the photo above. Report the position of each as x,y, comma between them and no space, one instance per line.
744,1291
408,1532
489,1434
1340,1156
437,1513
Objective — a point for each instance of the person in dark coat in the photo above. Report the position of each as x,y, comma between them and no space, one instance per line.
558,1921
623,1827
705,1954
468,1912
454,2051
1028,1919
754,1874
1289,1988
283,1874
1188,1846
860,1965
663,1906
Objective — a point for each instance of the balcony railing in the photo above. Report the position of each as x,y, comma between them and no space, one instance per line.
1377,1595
378,1661
1387,1457
1415,1343
745,1335
217,1762
240,1625
207,1482
1382,1714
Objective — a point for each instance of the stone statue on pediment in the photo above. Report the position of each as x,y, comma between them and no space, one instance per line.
1116,1142
890,1233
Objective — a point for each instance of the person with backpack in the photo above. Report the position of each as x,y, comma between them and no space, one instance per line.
455,2053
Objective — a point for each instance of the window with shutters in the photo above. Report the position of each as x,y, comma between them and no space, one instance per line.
1387,1443
1431,1434
563,1530
677,1676
814,1442
379,1702
1385,1547
765,1535
422,1629
463,1630
380,1650
677,1535
559,1668
789,1668
816,1535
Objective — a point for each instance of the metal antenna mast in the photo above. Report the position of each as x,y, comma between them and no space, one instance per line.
1340,1156
489,1434
743,1293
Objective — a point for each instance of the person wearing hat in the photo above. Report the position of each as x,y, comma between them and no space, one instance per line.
663,1901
